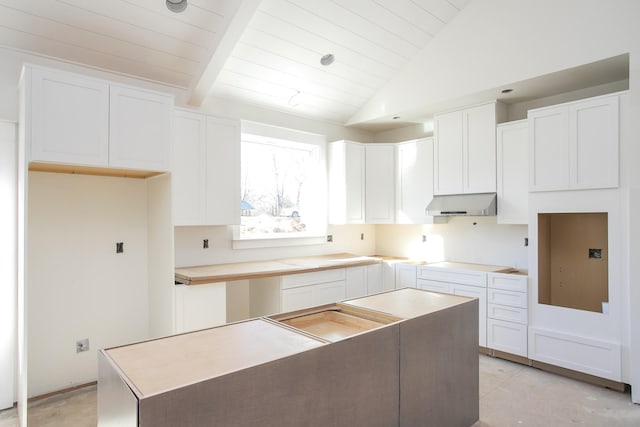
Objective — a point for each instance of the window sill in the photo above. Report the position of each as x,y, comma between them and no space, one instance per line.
277,242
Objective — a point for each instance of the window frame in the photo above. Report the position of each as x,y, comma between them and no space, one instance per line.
318,234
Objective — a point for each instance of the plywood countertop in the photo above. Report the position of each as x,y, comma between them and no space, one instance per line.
203,274
407,303
164,364
470,266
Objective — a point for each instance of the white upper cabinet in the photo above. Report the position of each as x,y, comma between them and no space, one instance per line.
346,182
513,192
575,145
188,170
361,183
414,188
71,119
205,170
223,171
380,170
139,129
465,150
67,117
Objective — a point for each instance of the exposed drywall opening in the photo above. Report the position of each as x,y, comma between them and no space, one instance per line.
573,254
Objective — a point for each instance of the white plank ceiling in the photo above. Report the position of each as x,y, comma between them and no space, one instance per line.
257,52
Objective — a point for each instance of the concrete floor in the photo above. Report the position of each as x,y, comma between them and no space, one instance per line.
510,395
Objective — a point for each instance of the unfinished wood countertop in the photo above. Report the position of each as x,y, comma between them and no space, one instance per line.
407,303
203,274
469,266
168,363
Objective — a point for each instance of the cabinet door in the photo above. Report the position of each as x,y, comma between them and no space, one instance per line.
200,306
513,192
415,181
506,336
223,171
479,149
69,116
388,275
481,294
448,153
355,183
405,276
432,285
593,139
296,298
356,285
346,183
139,129
374,278
327,293
380,183
188,169
549,149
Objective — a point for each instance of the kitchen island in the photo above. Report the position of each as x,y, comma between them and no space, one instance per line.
405,358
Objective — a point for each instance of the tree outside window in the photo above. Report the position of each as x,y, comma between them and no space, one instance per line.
281,185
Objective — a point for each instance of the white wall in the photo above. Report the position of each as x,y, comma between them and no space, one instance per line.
8,261
78,286
188,243
458,240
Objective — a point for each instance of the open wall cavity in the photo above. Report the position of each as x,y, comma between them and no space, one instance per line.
573,262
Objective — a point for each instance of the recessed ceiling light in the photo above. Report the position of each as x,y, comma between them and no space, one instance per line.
507,90
176,6
327,59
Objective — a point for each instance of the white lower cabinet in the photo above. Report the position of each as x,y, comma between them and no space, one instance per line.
374,279
508,337
462,282
406,276
507,313
434,286
356,283
278,294
200,306
308,296
298,291
480,293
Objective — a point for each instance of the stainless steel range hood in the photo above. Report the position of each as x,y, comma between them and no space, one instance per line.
480,204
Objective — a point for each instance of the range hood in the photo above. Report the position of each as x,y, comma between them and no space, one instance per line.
480,204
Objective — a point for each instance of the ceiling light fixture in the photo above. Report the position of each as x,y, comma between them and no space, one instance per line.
176,6
327,59
294,101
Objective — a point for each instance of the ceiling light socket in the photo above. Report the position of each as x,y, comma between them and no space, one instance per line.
176,6
327,59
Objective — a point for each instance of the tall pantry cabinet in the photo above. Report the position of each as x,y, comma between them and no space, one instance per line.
94,223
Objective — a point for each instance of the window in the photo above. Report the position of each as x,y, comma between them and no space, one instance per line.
283,184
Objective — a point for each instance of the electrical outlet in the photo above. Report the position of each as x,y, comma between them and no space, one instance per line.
329,238
205,243
526,241
119,247
82,345
424,238
361,236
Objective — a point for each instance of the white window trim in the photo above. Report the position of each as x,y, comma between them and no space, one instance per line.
285,240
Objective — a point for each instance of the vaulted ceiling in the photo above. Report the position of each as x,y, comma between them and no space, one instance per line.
264,53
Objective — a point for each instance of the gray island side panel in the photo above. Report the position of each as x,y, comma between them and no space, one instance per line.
353,382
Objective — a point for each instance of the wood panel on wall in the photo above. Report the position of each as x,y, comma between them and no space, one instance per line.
573,260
